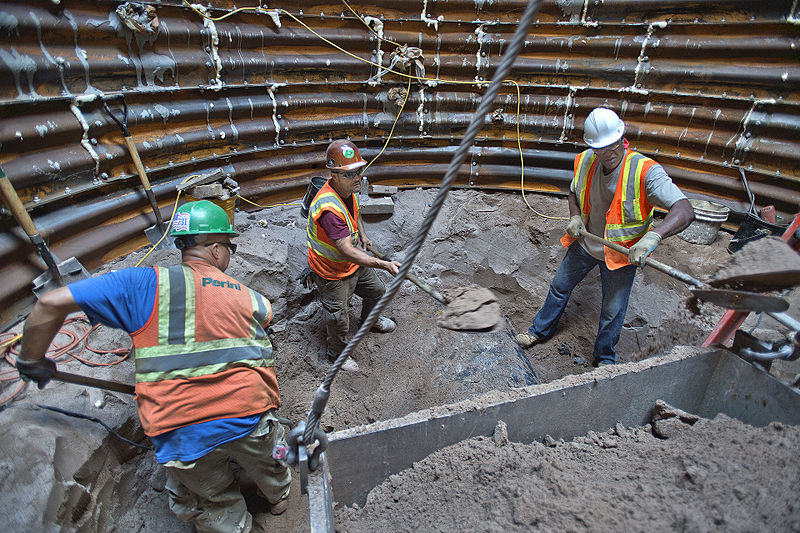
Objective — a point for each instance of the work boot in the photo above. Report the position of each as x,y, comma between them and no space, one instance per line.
349,365
280,507
603,362
384,325
526,340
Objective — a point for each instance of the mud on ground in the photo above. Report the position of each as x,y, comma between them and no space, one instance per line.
59,470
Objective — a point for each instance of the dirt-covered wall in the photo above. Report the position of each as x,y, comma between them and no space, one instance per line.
709,89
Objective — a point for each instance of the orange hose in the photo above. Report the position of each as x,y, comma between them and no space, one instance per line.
9,345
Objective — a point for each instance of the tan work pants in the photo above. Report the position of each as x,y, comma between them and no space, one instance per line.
206,493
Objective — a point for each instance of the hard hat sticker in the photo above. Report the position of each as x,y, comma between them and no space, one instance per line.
180,222
348,152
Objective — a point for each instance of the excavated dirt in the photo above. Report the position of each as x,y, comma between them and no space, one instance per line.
62,473
764,264
708,475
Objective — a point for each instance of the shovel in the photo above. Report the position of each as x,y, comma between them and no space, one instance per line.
471,308
729,299
58,273
154,233
94,382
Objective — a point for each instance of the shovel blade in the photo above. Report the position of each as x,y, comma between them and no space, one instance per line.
154,234
742,300
71,270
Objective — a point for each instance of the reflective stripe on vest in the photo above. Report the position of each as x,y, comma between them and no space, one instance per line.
630,215
178,354
328,201
323,256
585,164
633,221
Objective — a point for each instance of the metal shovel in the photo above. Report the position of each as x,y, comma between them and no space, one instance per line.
156,232
59,273
729,299
472,308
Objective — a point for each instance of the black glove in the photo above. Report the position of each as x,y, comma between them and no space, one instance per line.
41,371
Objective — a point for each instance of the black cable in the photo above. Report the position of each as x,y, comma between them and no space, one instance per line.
93,419
476,124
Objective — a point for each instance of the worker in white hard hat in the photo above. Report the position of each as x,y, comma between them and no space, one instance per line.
612,195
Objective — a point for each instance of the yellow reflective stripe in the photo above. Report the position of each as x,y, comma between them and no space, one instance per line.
326,250
148,357
262,313
637,182
175,349
316,244
582,178
624,193
332,200
254,325
188,276
163,306
152,377
626,232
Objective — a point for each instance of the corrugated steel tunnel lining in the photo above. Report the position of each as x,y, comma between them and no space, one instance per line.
709,89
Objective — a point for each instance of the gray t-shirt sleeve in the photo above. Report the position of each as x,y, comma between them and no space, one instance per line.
659,188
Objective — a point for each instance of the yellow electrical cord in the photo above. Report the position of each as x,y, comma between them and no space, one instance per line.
166,230
522,163
262,206
367,25
408,91
259,9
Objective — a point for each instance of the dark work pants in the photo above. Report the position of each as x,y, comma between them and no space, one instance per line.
335,298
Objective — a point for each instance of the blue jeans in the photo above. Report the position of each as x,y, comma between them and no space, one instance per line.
616,285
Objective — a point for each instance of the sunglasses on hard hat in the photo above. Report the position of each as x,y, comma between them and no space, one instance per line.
350,174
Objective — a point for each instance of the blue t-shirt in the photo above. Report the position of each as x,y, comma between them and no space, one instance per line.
124,299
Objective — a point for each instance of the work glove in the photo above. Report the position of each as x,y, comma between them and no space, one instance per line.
41,371
644,247
575,226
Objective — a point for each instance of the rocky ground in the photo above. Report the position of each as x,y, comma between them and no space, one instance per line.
62,473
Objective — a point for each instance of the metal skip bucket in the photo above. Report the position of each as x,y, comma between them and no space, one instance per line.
708,217
313,188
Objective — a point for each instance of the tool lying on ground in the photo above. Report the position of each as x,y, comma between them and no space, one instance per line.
156,232
470,308
59,273
730,299
94,382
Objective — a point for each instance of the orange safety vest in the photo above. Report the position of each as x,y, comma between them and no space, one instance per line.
630,215
323,256
204,353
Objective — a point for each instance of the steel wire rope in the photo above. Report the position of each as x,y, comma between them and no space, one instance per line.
259,9
475,125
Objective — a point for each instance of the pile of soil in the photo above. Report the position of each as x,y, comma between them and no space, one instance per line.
59,470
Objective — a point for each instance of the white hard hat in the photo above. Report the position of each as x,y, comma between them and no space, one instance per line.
602,128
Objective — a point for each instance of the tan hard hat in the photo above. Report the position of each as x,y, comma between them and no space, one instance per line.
343,155
602,128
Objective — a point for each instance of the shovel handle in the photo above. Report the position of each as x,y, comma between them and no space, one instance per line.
416,281
137,161
15,206
11,198
94,382
666,269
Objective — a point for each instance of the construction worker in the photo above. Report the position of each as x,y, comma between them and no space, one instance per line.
338,267
612,195
206,388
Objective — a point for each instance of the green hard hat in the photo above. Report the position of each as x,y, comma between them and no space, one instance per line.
202,216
